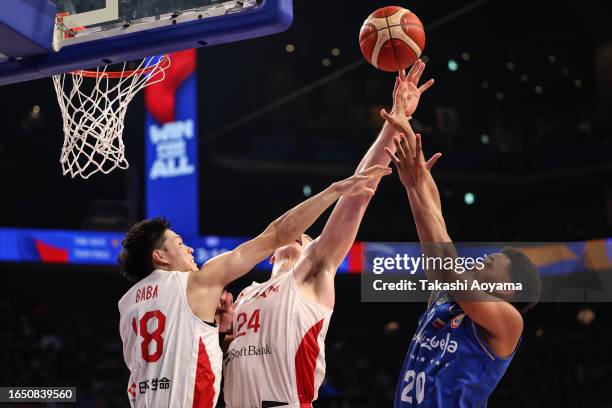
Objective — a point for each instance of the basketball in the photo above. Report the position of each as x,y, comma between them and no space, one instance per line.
392,38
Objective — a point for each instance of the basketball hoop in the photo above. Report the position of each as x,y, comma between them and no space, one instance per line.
94,118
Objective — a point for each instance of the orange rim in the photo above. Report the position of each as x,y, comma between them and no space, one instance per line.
164,63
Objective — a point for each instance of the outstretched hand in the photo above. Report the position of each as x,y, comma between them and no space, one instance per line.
407,93
362,182
410,163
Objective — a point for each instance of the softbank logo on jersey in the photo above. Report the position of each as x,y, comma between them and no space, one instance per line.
432,343
171,153
248,351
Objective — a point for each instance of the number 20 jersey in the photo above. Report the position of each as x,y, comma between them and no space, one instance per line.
174,358
448,364
278,355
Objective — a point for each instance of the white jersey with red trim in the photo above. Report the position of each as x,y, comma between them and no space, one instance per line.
174,358
278,355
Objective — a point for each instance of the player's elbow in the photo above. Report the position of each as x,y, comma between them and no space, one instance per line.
284,231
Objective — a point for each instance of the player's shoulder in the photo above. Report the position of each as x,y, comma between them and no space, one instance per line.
252,288
142,286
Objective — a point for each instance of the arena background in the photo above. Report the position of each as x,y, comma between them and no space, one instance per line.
524,122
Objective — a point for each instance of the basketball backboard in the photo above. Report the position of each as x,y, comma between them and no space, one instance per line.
90,33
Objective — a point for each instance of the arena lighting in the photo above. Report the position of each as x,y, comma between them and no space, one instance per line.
484,139
552,58
307,190
452,65
525,78
335,52
466,56
290,48
469,198
35,113
578,83
585,316
499,96
511,66
326,62
539,89
392,327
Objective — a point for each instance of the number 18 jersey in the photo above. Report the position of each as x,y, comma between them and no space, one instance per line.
174,358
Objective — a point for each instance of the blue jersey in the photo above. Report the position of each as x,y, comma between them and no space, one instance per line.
448,363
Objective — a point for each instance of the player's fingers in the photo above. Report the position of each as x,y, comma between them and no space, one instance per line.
393,157
385,115
432,161
418,154
417,72
404,141
369,191
365,174
406,146
399,150
392,121
359,178
413,71
383,172
373,169
378,171
426,86
421,70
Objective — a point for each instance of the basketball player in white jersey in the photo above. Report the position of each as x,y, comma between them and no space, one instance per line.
277,354
167,324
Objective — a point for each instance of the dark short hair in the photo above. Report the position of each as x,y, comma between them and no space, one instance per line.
523,271
142,238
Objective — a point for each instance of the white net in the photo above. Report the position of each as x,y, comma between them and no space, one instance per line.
93,105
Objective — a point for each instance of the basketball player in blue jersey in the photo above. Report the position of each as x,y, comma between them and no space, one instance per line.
464,341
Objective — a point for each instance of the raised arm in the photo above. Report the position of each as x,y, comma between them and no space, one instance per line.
500,319
404,127
222,269
341,229
406,97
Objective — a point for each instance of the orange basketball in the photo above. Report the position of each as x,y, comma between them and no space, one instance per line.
392,38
